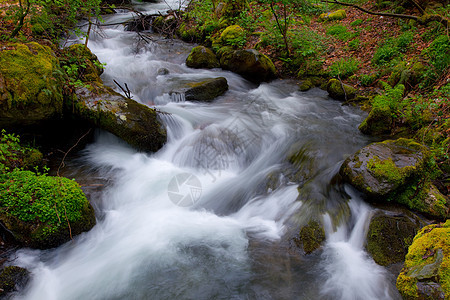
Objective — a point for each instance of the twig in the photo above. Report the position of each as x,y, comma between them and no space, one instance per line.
342,86
61,165
127,91
68,223
59,219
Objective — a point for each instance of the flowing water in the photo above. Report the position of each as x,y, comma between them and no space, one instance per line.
213,213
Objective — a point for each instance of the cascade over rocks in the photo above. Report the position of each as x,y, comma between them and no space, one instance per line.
30,84
394,170
207,90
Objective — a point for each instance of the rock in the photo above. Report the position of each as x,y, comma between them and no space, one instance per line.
135,123
378,121
335,90
36,210
12,279
389,237
306,85
233,35
250,64
162,71
31,84
426,274
207,90
202,57
333,15
394,170
311,237
88,67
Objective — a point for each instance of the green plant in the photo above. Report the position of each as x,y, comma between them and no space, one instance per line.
357,22
341,32
392,48
354,44
344,67
14,155
438,54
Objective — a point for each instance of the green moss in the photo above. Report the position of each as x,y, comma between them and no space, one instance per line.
334,88
424,253
311,237
37,208
202,57
233,35
386,170
334,15
306,85
32,83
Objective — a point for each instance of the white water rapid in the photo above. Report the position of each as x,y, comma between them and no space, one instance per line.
212,214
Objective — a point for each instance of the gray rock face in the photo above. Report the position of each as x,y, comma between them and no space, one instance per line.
131,121
207,90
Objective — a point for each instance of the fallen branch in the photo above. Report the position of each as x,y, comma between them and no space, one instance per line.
127,91
61,165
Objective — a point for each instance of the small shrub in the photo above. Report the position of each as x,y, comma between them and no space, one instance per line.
340,32
438,53
357,22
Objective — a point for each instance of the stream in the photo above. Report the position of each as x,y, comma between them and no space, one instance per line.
213,214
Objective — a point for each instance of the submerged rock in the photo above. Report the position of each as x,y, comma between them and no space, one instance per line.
131,121
202,57
311,237
43,211
250,64
389,237
207,90
335,90
426,274
12,279
396,170
30,84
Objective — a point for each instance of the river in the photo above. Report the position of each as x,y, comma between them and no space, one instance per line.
212,215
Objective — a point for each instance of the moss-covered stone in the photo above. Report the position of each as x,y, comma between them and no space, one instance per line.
389,237
250,64
37,210
306,85
13,278
207,90
311,237
340,91
30,84
88,67
232,8
135,123
398,171
202,57
333,15
378,122
426,274
233,35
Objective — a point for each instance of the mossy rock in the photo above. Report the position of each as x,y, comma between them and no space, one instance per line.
233,8
202,58
207,90
31,84
396,171
188,34
306,85
250,64
13,155
340,91
378,122
389,237
12,279
135,123
311,237
37,210
426,274
233,35
333,15
164,24
88,66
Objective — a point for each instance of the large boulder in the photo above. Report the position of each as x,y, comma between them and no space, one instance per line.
43,211
340,91
30,84
390,235
396,170
426,274
250,64
135,123
202,58
207,90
